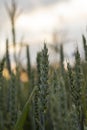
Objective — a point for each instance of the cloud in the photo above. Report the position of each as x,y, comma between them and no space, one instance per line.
48,2
32,4
38,20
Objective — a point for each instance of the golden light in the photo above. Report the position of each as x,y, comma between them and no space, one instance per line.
6,74
24,77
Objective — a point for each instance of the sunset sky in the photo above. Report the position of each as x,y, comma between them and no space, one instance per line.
40,18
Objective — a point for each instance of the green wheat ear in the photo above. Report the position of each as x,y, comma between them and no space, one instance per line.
72,120
75,80
37,96
53,99
43,68
13,101
58,102
1,95
8,63
28,61
71,83
78,89
62,60
78,77
85,46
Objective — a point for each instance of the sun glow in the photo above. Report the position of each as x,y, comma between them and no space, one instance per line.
47,18
40,21
39,25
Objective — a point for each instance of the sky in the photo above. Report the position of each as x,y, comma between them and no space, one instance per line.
39,20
